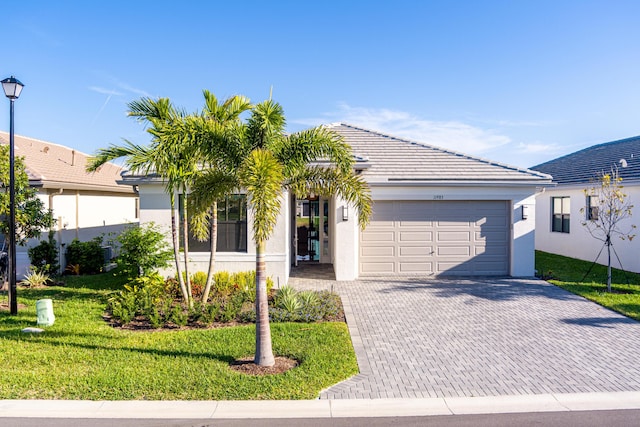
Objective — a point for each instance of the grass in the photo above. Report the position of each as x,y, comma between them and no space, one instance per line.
81,357
569,274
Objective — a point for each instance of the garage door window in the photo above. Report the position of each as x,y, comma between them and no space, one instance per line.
560,217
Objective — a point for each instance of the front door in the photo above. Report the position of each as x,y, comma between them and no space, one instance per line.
312,230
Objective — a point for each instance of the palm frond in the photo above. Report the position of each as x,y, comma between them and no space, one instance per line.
330,181
312,145
262,176
266,124
136,156
209,186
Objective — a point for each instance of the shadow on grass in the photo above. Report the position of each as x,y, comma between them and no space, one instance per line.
60,293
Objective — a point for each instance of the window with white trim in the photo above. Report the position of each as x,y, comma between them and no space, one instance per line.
593,208
560,217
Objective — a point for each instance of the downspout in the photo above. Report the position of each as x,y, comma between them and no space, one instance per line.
59,227
77,213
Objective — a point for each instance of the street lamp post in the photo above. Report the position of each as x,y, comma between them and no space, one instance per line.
12,88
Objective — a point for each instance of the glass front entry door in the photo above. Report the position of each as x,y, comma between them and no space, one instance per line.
312,229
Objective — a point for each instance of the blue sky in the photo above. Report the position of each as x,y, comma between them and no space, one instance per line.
520,82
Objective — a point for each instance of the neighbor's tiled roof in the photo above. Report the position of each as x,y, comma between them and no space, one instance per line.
55,166
583,166
400,160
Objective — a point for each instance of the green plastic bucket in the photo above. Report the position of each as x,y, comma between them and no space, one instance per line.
44,310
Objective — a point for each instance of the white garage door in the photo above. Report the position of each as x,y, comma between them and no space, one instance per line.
437,237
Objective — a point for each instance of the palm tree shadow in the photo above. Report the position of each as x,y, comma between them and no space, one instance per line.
487,288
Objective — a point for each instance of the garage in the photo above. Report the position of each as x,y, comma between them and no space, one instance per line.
461,238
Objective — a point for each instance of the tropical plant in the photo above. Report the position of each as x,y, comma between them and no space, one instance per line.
608,207
169,156
35,279
276,162
216,127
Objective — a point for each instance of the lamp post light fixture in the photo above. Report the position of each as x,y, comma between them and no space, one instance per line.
12,88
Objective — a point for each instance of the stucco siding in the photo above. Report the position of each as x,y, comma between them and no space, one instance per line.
579,243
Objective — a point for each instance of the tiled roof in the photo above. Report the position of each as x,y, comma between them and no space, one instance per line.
55,166
395,159
584,165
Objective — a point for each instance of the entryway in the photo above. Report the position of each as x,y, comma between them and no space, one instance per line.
312,231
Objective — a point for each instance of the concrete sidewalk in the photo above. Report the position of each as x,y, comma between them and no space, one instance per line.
319,408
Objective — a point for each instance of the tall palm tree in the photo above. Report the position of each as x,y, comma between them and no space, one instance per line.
316,160
169,156
217,129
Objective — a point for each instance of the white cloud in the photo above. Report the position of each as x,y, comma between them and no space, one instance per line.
538,148
104,91
454,135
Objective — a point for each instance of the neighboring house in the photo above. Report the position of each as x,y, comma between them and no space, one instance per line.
84,205
435,212
559,218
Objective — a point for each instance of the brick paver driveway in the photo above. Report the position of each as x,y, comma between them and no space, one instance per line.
481,337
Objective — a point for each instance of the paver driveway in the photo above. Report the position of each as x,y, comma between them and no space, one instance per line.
482,337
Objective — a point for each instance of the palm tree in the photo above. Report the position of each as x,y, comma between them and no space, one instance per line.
170,156
316,160
217,129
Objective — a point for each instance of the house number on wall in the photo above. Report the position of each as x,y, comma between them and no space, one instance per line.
438,197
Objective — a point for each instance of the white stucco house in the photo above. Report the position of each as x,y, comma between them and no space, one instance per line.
84,205
561,210
435,212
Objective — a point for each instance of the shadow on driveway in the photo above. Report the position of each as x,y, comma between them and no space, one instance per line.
494,289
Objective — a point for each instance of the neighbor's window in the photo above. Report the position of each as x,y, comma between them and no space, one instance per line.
232,227
560,216
593,205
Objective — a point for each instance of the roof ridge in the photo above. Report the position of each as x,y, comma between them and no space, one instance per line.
445,150
42,141
592,147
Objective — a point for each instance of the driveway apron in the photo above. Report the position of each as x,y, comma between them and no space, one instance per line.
417,337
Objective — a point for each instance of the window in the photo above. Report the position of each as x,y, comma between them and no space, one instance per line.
232,227
593,206
560,218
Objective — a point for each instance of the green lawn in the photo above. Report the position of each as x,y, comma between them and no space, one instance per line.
568,273
81,357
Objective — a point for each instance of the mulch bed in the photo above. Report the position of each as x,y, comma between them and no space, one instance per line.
246,366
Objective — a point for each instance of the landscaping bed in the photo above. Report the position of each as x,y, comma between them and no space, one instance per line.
82,356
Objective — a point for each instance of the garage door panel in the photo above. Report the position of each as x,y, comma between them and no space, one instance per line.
379,236
378,251
437,237
453,236
447,251
415,267
492,235
408,251
415,237
377,267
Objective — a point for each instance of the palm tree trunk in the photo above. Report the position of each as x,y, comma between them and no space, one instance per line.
185,239
212,251
264,352
176,251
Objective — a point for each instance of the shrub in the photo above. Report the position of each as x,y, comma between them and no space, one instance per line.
44,256
143,250
306,306
88,255
35,279
144,296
